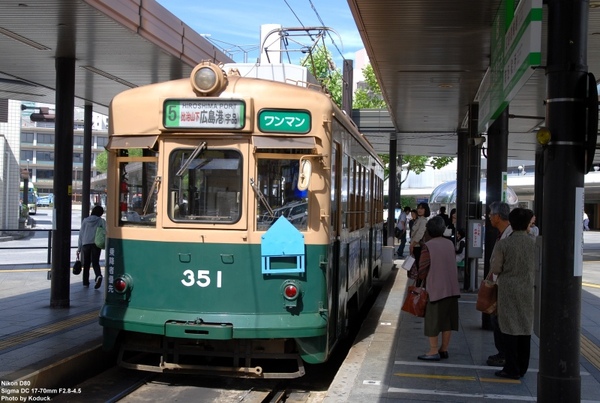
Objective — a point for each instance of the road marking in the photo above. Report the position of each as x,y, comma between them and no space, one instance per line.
590,351
465,366
444,377
592,285
22,270
31,334
459,394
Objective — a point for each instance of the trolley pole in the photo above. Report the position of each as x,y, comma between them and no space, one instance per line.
559,378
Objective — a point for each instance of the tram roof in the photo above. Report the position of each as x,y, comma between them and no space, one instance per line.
429,57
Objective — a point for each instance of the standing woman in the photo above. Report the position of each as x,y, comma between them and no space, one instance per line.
513,260
452,226
438,268
418,231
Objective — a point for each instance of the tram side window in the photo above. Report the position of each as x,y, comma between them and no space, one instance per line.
137,192
205,188
277,180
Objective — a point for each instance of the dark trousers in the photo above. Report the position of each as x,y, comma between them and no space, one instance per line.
417,256
498,336
90,256
516,353
400,251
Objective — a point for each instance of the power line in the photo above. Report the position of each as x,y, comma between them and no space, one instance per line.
323,24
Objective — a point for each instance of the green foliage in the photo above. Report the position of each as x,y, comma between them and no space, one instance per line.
368,95
414,163
320,65
102,158
102,161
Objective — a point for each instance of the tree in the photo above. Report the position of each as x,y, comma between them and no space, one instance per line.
102,161
320,65
102,158
368,93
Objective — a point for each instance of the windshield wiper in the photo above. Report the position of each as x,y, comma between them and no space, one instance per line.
201,147
262,198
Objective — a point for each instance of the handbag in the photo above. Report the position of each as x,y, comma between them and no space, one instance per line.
100,238
487,296
408,263
416,301
77,267
448,232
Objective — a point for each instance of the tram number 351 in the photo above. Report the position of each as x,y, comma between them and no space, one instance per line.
202,280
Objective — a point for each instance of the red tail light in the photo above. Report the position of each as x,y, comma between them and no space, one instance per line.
291,291
120,285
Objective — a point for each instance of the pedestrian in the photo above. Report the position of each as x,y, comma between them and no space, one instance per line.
418,232
513,260
442,213
450,231
437,268
411,222
533,230
461,247
402,226
498,216
87,246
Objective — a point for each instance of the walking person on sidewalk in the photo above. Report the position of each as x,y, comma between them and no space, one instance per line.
86,245
437,267
513,260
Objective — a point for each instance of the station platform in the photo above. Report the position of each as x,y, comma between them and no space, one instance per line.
49,348
382,365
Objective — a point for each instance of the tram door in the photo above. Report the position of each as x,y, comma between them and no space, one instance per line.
333,269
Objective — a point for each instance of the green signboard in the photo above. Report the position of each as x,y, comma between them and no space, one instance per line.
216,114
516,47
284,121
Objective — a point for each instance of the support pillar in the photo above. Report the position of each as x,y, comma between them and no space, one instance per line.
559,378
63,175
496,165
392,192
87,161
472,186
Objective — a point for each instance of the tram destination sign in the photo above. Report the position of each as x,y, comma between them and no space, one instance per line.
219,114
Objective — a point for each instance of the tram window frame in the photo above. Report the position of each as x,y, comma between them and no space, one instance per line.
137,210
213,204
294,205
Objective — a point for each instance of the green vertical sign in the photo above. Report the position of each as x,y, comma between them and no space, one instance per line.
515,47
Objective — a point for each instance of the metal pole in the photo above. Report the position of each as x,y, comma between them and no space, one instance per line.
63,186
392,192
87,161
559,378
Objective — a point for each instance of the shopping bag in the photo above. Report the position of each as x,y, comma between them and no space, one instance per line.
487,296
416,301
77,267
408,262
100,238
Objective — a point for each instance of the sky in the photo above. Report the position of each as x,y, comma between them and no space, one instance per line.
234,25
